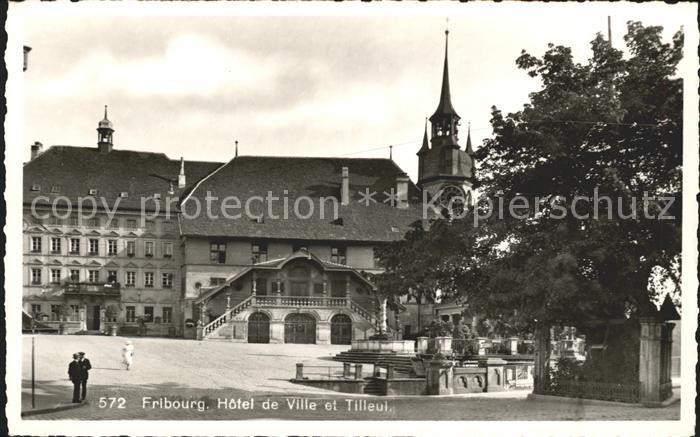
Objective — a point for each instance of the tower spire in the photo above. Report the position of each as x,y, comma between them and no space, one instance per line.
445,106
469,139
425,147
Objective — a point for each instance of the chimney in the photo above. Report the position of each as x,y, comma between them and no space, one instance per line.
181,181
402,190
36,149
28,49
345,188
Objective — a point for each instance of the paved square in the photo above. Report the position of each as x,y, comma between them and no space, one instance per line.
210,372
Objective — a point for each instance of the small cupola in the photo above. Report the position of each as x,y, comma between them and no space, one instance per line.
105,130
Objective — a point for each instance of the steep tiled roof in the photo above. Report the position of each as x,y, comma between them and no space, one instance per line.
73,171
248,176
278,264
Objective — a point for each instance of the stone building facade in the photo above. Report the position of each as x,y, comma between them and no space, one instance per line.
259,248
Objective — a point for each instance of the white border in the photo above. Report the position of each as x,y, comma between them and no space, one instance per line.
15,144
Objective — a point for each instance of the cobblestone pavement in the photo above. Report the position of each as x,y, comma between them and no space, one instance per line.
215,380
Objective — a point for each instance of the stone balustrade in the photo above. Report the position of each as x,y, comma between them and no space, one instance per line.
398,346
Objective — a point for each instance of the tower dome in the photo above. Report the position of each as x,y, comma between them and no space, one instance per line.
105,129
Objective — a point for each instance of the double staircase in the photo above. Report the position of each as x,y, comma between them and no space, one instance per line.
219,328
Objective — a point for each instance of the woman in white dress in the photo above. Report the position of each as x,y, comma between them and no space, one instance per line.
128,354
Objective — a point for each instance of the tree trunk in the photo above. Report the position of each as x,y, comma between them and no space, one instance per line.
542,353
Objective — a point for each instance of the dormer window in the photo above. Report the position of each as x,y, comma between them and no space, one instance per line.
55,188
35,187
92,192
156,196
124,194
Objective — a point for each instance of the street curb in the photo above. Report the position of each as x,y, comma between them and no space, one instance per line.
584,402
53,409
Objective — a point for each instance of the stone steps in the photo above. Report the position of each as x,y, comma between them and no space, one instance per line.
400,362
373,387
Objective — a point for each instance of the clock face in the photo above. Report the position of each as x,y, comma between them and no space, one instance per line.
453,199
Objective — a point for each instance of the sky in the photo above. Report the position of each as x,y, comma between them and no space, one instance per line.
292,85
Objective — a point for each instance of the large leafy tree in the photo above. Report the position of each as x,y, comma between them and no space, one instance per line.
607,129
611,128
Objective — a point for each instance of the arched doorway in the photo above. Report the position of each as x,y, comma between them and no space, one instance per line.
341,329
258,328
299,328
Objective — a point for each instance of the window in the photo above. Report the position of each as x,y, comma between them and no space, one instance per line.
130,248
75,221
167,249
149,248
35,187
130,279
124,194
131,314
338,255
55,221
112,276
93,276
75,246
131,224
36,309
55,313
74,313
148,314
261,286
150,225
36,276
375,257
338,288
299,246
167,315
55,276
111,247
446,161
148,279
113,224
93,246
318,288
259,252
216,281
93,222
36,244
217,252
55,245
75,275
167,280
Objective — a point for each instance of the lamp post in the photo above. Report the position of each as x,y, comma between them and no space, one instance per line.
33,399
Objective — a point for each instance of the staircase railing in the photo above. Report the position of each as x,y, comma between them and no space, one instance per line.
226,316
292,301
372,320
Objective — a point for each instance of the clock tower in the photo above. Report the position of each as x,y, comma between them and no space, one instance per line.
444,168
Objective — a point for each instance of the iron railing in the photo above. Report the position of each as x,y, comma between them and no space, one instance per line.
628,392
92,288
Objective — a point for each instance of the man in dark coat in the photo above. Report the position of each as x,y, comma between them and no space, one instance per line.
74,374
85,367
